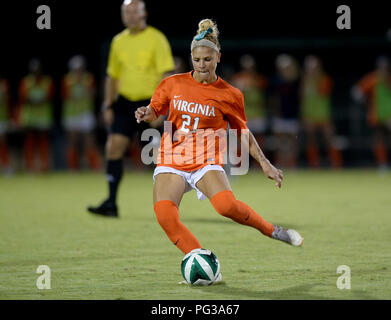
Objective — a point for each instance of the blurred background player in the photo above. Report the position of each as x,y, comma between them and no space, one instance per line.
78,91
375,89
4,123
140,56
315,110
285,102
253,86
36,92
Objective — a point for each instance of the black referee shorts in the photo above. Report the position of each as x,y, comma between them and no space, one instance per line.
124,120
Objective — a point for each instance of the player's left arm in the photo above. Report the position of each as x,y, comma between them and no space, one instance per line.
237,120
256,152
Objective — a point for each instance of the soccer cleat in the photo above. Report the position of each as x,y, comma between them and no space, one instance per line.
107,209
288,235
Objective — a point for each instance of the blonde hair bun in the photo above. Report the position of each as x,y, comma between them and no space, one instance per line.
205,24
203,27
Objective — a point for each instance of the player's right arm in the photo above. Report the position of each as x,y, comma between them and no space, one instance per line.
111,85
256,152
146,114
110,95
159,105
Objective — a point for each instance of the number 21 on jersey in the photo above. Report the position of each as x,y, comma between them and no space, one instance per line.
187,122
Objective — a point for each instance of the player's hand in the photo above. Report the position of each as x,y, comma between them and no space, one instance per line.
143,114
108,116
272,173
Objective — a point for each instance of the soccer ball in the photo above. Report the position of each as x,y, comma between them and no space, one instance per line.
200,267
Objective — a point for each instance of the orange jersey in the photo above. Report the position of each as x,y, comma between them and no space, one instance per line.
199,114
378,91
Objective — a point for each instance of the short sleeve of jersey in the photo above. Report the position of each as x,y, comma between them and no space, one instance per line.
236,114
160,101
113,66
163,54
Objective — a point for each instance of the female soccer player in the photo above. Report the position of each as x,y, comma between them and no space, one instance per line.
315,110
36,93
200,101
78,90
374,89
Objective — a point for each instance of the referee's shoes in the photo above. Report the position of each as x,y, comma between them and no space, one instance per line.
106,209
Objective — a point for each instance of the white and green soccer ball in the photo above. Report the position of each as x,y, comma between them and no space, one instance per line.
201,267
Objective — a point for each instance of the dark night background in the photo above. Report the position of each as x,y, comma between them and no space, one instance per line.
262,28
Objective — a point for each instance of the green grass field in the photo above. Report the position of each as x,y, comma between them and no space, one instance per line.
344,216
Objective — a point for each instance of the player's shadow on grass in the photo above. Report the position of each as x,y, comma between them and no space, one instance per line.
300,292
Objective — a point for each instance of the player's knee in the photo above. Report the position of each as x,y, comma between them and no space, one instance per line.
113,150
225,203
109,149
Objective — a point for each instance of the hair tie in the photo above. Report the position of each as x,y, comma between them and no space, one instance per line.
203,34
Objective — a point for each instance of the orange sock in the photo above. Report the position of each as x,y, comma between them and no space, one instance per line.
225,204
313,156
44,152
335,157
292,161
93,158
4,154
72,158
29,152
380,153
167,215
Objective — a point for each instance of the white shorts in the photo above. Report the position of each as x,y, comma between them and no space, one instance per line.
84,122
191,178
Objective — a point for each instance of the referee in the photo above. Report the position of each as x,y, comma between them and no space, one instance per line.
140,57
